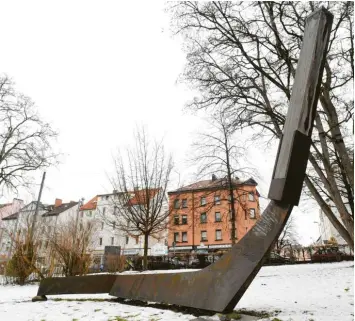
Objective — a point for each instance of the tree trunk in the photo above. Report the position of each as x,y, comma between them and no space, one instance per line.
347,236
145,255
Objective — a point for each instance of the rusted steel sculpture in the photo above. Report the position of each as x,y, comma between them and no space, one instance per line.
220,286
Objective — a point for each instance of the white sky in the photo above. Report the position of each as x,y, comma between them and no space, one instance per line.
95,70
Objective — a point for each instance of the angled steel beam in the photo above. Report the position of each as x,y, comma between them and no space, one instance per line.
220,286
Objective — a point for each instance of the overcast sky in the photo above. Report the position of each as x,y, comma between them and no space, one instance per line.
95,70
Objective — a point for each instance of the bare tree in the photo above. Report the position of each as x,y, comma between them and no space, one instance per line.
288,236
24,250
25,139
216,152
142,177
243,56
71,245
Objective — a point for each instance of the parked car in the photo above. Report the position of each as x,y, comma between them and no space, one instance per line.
277,259
178,263
330,254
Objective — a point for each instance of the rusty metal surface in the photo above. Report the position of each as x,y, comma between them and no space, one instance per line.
219,286
289,189
77,284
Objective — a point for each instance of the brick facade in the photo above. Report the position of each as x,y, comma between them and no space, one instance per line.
200,215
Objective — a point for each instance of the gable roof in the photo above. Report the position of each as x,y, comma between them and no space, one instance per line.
214,184
11,217
54,211
25,209
140,197
91,205
4,205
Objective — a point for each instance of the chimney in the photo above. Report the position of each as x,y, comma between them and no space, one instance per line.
214,177
57,202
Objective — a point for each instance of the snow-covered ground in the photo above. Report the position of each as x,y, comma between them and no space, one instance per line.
318,292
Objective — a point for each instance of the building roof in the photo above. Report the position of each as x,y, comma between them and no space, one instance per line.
4,205
54,211
11,217
24,209
214,184
139,197
91,205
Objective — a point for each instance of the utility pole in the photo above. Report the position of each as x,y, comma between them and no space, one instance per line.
37,206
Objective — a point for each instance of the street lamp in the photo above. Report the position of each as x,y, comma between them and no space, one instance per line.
320,232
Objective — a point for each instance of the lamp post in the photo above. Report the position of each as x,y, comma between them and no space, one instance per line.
320,232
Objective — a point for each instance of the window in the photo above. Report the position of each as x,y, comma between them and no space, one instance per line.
137,239
203,201
184,203
102,225
217,200
112,240
184,219
106,197
127,239
203,235
176,204
252,213
218,235
251,197
184,236
100,241
176,237
176,220
203,218
113,225
218,217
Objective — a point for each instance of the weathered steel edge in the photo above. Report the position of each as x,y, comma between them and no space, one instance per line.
77,284
219,286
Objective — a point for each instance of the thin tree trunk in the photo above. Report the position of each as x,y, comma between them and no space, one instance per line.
145,255
348,237
337,137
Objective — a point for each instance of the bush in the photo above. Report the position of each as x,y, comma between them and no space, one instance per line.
21,265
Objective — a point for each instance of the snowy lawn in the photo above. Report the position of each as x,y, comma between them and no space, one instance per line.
318,292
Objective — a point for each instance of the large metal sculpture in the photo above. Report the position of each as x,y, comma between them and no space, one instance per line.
220,286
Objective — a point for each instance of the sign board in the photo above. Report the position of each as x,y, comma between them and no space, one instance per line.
220,246
180,248
130,251
159,249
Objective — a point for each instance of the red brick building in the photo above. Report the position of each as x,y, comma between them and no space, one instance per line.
200,215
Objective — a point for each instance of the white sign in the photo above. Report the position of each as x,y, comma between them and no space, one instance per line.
221,246
159,249
180,248
202,247
130,251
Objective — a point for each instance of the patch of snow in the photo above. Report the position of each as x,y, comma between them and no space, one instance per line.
322,292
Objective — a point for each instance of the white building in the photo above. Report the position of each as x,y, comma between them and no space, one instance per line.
16,224
48,218
5,211
326,229
102,209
